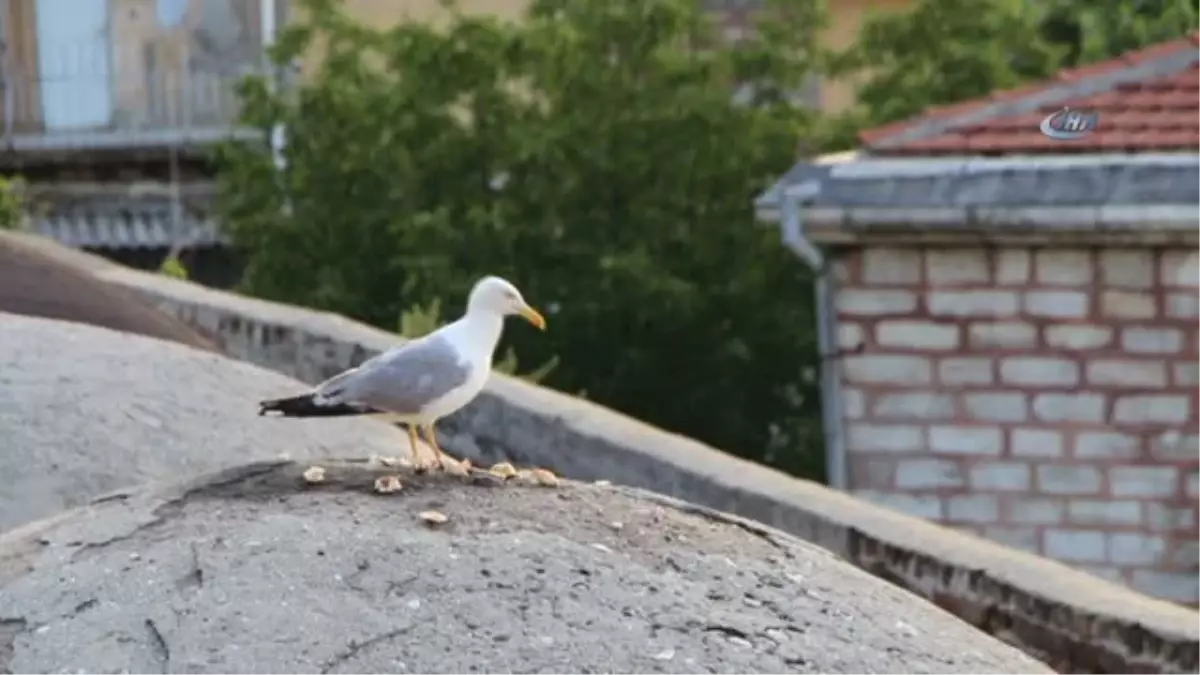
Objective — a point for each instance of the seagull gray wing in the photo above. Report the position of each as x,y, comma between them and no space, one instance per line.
404,380
333,388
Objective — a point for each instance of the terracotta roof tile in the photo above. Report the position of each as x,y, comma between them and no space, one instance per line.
1156,114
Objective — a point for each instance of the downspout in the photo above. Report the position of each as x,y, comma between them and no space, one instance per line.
270,27
792,230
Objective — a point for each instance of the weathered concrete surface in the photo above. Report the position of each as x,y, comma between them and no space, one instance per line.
253,571
86,410
37,279
1072,620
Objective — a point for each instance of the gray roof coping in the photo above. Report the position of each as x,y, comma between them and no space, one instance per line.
1085,193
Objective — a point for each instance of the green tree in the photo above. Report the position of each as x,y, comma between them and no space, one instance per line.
173,267
1100,29
944,51
591,153
12,211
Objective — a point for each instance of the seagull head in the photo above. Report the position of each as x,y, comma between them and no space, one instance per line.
495,296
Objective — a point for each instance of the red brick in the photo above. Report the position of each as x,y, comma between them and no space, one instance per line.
872,472
1105,457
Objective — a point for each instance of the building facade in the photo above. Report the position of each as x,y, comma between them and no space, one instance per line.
1011,320
109,109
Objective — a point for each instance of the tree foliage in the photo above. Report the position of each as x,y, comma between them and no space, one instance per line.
944,51
1093,31
173,267
12,212
941,51
592,154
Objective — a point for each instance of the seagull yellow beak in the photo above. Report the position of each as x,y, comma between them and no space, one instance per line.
533,316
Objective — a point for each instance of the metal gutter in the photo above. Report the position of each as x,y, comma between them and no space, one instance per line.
270,27
792,233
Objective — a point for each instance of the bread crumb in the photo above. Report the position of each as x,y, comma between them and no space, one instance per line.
455,468
545,477
387,484
434,518
503,470
314,474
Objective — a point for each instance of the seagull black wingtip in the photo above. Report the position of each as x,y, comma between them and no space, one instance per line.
306,405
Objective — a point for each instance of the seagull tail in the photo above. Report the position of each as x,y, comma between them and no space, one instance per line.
306,405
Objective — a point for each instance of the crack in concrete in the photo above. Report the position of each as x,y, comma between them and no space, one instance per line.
171,508
84,606
195,575
10,630
97,545
727,631
159,644
766,638
750,527
355,648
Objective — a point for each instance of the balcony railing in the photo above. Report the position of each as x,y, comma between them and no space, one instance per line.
139,77
160,107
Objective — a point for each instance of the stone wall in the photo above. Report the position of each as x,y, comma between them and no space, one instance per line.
1043,398
1072,621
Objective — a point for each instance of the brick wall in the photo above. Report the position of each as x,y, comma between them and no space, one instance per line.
1043,398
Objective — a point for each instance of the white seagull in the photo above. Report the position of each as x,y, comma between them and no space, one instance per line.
423,380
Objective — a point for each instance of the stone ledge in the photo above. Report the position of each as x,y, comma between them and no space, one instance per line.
1066,618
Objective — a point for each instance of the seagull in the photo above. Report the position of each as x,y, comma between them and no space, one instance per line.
424,380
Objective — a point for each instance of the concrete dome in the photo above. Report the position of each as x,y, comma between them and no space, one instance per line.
253,570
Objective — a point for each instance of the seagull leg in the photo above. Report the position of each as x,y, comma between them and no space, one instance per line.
412,445
440,457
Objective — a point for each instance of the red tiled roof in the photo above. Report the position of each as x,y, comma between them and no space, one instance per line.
1147,100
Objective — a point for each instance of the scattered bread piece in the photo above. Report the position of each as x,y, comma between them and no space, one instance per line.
387,484
434,518
503,470
455,468
545,477
314,474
